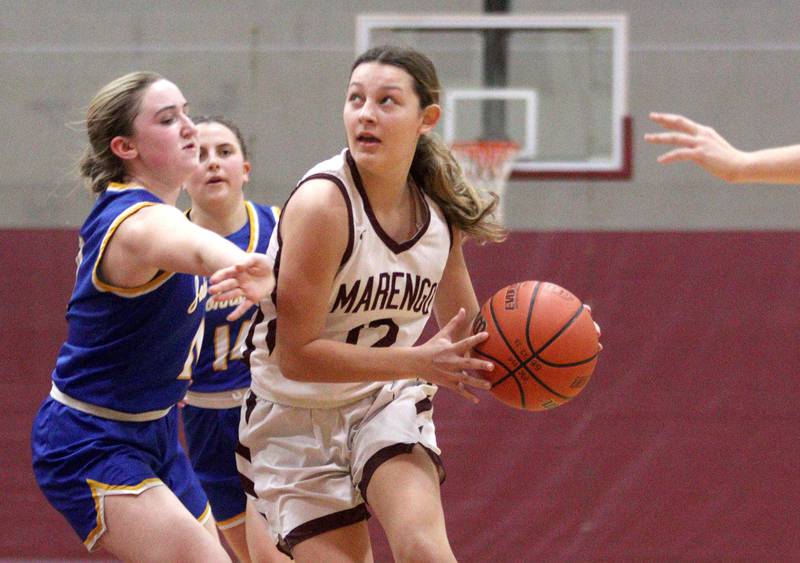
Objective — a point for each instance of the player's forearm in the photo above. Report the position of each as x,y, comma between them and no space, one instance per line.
330,361
780,165
164,239
217,253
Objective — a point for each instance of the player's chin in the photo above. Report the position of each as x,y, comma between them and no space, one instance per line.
185,163
366,151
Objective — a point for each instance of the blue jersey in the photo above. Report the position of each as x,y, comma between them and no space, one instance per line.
128,349
220,366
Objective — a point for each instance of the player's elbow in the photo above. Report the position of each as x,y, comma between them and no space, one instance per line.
292,365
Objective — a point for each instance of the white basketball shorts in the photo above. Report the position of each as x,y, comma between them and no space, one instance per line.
307,469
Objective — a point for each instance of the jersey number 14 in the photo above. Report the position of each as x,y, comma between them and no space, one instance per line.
223,351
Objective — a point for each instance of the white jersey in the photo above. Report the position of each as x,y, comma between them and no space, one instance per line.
381,296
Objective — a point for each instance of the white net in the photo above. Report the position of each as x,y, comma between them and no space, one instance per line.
487,165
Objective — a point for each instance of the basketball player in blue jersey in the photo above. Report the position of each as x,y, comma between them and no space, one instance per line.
221,377
339,414
105,442
708,149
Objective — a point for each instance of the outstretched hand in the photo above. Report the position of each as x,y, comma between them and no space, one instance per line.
697,143
445,361
251,278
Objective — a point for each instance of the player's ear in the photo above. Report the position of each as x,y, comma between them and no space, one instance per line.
246,171
123,148
430,117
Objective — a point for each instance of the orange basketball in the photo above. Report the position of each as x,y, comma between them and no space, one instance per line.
542,342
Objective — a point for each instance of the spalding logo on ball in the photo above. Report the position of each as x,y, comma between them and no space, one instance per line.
542,341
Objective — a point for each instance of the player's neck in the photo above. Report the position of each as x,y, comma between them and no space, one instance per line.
167,191
386,189
396,207
223,220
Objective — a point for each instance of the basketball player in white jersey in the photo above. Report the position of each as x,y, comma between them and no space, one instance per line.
339,414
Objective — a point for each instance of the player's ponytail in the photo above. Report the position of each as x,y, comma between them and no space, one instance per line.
98,172
111,113
434,169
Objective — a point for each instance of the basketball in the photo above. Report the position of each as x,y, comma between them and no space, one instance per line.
542,342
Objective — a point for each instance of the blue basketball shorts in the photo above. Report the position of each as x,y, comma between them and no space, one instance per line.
79,459
211,436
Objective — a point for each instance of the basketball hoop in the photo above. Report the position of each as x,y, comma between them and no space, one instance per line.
487,165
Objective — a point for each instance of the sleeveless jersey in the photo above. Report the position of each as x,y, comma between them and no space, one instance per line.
382,294
128,349
220,366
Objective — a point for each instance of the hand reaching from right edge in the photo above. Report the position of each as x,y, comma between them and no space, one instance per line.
698,143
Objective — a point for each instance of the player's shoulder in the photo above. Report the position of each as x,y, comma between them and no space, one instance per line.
319,197
326,181
317,212
334,166
118,203
117,197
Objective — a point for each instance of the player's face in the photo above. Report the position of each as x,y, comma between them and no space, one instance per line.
382,115
222,170
164,135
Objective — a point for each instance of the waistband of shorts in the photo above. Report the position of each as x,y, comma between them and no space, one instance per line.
319,401
220,400
104,412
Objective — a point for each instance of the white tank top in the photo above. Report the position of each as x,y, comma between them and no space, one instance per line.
382,294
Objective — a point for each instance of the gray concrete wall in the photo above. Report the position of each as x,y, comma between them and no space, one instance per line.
280,67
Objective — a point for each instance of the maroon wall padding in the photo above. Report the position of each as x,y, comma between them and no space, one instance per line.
685,445
38,271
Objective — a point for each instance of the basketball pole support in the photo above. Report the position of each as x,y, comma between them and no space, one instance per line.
495,56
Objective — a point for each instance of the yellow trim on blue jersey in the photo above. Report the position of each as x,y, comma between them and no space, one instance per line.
203,518
79,257
237,520
276,211
125,291
252,216
100,490
119,186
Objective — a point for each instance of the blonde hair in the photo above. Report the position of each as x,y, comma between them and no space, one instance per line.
111,113
434,168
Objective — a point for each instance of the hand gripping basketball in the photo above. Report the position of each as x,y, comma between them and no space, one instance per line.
445,362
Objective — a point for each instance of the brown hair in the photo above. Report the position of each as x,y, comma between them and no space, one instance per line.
434,168
227,123
111,113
